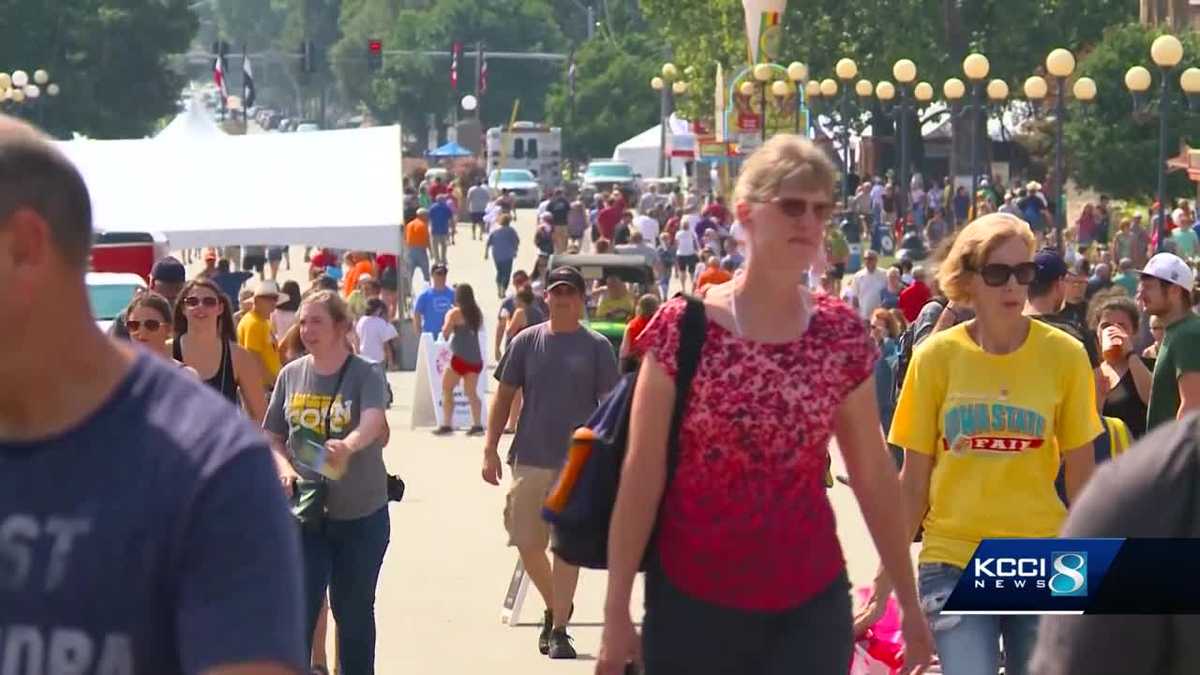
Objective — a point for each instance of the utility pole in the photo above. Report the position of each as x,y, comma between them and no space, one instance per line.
591,19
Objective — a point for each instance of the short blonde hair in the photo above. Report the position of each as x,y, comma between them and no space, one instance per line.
972,247
785,157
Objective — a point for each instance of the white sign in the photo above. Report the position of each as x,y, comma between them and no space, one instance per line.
433,358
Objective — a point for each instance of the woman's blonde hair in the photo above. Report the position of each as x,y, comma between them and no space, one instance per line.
332,302
972,247
784,158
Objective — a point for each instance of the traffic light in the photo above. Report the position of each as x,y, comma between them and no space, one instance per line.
374,55
308,61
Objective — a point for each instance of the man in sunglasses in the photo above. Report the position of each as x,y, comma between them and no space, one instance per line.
142,528
166,278
1165,291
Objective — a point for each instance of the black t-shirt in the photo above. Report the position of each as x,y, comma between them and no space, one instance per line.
1070,326
1149,491
558,209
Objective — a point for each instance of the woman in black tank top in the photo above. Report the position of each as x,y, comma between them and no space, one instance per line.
203,319
1128,375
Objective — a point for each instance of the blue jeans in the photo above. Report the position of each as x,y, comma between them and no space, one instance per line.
418,259
503,274
345,558
970,644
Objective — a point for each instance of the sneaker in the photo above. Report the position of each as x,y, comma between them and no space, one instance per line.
560,644
443,431
544,636
475,431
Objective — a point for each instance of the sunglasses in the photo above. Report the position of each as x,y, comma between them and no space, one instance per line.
195,301
149,324
997,274
798,208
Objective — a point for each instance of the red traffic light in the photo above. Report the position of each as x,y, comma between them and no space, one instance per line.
375,46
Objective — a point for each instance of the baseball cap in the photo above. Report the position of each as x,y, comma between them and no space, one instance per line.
168,270
566,275
1050,266
1172,269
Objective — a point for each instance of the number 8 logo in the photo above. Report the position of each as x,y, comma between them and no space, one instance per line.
1070,574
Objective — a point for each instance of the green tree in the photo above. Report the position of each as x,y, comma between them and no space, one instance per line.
1112,150
108,57
613,99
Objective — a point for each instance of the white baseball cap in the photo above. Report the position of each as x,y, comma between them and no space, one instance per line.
1172,269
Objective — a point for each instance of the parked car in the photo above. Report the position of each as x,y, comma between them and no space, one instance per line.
602,176
305,127
520,183
109,293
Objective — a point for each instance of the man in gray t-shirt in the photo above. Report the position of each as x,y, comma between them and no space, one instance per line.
564,369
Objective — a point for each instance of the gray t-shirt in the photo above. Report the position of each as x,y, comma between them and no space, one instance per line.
301,398
563,376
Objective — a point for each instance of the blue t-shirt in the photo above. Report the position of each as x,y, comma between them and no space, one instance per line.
231,283
504,242
433,305
440,215
146,540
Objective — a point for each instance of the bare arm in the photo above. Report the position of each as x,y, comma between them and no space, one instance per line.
873,479
1080,462
252,668
914,496
416,319
643,479
1189,393
248,371
450,322
497,419
517,323
372,424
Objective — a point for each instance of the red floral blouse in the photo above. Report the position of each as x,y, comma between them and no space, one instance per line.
746,523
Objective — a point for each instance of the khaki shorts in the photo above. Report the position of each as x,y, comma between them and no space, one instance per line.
523,506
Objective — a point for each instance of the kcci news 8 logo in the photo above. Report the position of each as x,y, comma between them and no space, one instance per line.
1031,576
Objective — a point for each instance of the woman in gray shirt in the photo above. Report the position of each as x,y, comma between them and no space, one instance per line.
326,419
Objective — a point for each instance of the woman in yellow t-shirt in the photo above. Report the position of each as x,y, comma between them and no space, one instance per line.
989,410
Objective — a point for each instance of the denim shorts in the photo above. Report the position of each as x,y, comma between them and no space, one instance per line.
970,644
683,635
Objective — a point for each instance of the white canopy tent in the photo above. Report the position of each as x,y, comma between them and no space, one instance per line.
342,189
192,124
642,151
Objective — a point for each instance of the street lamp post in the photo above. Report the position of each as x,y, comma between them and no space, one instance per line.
666,84
1060,64
976,68
797,73
899,104
846,70
1166,51
22,89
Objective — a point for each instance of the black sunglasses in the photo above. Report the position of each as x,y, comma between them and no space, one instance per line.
798,208
196,301
149,324
998,274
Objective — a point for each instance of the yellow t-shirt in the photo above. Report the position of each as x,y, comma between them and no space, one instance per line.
616,308
254,335
996,427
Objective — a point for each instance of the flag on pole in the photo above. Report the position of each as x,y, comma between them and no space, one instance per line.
571,76
455,53
483,73
248,91
219,76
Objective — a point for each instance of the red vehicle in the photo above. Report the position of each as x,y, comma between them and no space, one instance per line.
133,252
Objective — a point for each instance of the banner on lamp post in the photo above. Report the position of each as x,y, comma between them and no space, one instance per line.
764,28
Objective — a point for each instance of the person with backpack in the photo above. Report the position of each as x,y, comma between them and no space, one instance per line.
745,572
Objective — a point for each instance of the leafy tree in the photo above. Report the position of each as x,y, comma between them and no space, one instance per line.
613,99
108,57
1114,151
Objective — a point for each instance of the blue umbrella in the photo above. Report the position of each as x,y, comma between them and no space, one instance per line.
450,149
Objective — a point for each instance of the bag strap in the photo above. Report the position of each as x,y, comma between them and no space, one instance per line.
336,388
693,325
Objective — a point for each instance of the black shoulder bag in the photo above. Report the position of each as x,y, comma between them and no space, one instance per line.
309,496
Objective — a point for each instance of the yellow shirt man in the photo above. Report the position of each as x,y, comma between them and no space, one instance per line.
996,427
254,335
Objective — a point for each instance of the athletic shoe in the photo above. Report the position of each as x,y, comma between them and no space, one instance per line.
443,431
560,645
475,431
544,636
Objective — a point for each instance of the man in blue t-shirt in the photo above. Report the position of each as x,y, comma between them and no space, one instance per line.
429,312
143,527
441,217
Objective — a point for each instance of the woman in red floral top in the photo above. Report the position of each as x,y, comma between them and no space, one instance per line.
748,575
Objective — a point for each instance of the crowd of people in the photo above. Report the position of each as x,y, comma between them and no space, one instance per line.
1020,379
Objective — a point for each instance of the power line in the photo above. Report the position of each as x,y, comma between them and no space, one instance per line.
278,56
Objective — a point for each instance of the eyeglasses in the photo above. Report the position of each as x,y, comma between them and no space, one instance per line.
798,208
149,324
194,301
998,274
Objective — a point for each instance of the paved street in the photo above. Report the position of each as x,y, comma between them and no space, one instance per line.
447,568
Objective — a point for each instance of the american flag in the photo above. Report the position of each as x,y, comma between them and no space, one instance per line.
483,73
219,75
455,53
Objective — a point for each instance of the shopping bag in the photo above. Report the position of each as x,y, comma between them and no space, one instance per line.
879,651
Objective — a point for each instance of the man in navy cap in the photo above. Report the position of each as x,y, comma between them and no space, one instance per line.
166,278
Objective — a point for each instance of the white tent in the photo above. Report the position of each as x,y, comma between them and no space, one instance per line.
191,124
642,151
342,189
